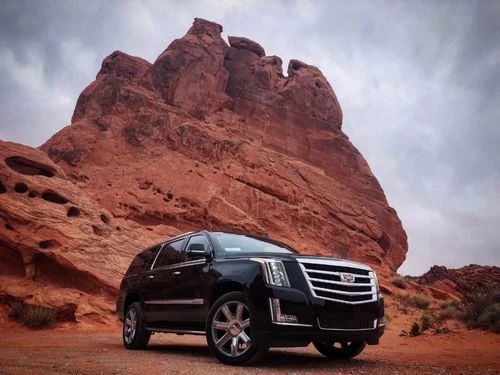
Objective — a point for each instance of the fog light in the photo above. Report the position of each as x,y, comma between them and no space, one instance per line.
382,321
277,316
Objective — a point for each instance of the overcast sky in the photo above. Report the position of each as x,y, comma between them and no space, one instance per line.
418,82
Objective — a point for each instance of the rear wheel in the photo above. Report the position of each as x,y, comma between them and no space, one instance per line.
135,335
230,335
339,350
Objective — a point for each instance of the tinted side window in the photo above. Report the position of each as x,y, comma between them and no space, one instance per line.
143,260
171,254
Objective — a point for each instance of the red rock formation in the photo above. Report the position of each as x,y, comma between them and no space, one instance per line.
213,135
209,136
462,281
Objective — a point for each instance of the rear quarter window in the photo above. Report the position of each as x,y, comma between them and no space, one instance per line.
143,260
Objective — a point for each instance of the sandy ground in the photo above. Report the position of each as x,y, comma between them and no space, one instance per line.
86,351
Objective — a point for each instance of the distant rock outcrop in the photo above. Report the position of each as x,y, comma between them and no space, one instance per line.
462,281
210,135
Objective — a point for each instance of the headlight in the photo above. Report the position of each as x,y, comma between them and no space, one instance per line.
376,282
377,286
273,272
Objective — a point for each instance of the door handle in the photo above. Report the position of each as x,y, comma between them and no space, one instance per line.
176,273
151,277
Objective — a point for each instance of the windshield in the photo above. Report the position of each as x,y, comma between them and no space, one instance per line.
241,243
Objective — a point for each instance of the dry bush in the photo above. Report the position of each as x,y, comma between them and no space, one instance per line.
415,330
400,282
427,321
490,318
450,302
33,316
449,312
16,310
482,310
420,301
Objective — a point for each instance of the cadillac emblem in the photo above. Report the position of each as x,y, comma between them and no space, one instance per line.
347,277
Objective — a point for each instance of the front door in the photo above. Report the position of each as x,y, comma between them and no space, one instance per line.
190,293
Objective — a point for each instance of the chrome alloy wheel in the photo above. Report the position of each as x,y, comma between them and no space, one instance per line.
130,326
230,328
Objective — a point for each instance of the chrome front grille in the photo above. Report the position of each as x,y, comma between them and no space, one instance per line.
339,281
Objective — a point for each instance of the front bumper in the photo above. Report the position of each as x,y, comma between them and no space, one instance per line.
316,319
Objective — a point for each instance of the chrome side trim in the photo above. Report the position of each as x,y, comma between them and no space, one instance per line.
179,236
197,301
345,329
292,324
178,331
182,264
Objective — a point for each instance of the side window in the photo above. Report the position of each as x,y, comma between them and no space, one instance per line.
171,254
143,260
151,257
195,242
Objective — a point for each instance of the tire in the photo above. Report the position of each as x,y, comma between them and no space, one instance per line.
230,335
134,331
346,350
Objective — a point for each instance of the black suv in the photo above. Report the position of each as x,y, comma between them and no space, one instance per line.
247,294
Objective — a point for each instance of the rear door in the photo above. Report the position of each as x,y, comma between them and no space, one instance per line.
162,286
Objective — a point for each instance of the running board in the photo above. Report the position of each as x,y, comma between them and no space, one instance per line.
173,330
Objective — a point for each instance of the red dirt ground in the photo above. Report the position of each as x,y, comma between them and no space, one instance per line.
86,350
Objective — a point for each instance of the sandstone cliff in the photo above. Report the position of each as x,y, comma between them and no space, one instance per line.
211,135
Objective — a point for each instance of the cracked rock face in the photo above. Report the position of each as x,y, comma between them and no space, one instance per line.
210,135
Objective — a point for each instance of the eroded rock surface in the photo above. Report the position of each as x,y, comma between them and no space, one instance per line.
58,247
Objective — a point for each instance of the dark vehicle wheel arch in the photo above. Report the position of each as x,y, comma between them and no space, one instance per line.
225,287
130,299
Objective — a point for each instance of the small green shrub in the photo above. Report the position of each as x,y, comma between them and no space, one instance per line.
33,316
482,310
400,282
421,301
449,303
449,312
406,304
415,330
426,321
490,318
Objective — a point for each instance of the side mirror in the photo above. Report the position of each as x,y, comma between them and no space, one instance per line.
198,250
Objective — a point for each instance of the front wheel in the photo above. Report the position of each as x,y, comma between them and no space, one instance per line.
342,350
135,335
230,335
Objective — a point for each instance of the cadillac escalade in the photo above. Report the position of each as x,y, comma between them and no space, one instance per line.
247,293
